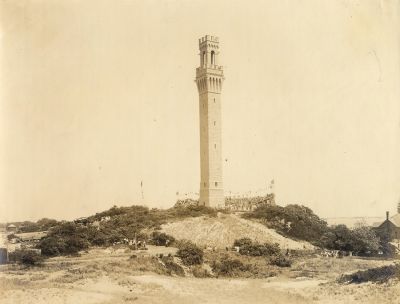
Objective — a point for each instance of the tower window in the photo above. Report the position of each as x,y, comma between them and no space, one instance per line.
216,184
204,58
214,122
214,100
215,146
212,57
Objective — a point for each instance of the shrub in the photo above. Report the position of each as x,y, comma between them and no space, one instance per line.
26,257
280,261
11,236
243,242
200,272
161,239
190,254
191,211
229,267
172,267
250,248
379,275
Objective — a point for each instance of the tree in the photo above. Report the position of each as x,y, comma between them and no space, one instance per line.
66,238
364,240
293,220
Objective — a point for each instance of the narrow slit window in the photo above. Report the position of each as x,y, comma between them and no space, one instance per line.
216,184
214,122
215,146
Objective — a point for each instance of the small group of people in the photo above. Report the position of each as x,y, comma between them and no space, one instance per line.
335,253
139,244
136,244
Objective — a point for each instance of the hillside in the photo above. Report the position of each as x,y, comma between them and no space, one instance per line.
223,230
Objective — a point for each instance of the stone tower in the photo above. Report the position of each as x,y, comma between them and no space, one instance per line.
209,79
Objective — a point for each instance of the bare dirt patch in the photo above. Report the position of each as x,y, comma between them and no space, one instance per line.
222,231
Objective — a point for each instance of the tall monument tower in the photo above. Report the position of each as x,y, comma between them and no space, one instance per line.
209,79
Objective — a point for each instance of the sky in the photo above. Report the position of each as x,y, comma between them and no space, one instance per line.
99,96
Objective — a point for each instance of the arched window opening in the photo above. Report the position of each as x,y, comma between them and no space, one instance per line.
204,58
212,57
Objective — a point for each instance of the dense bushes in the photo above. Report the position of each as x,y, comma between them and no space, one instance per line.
248,247
271,251
268,250
67,238
379,275
161,239
293,220
301,223
189,253
229,267
122,223
41,225
360,240
191,211
26,257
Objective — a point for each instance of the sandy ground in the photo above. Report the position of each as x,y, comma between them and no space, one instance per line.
107,276
222,231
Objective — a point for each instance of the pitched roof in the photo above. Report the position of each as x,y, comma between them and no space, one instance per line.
395,219
31,236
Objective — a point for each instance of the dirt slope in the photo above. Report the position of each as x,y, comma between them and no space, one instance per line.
225,229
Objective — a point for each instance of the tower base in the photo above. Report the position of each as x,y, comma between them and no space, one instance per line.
213,198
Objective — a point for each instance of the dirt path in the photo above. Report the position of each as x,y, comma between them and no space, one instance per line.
106,276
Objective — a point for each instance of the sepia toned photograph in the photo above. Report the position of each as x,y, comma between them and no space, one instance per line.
199,151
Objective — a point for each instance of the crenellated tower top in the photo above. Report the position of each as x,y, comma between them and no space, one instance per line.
210,75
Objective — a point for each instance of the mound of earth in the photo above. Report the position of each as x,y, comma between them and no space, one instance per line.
222,231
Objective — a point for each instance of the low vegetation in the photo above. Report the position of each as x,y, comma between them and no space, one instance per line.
26,257
172,268
377,275
229,267
268,250
251,248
